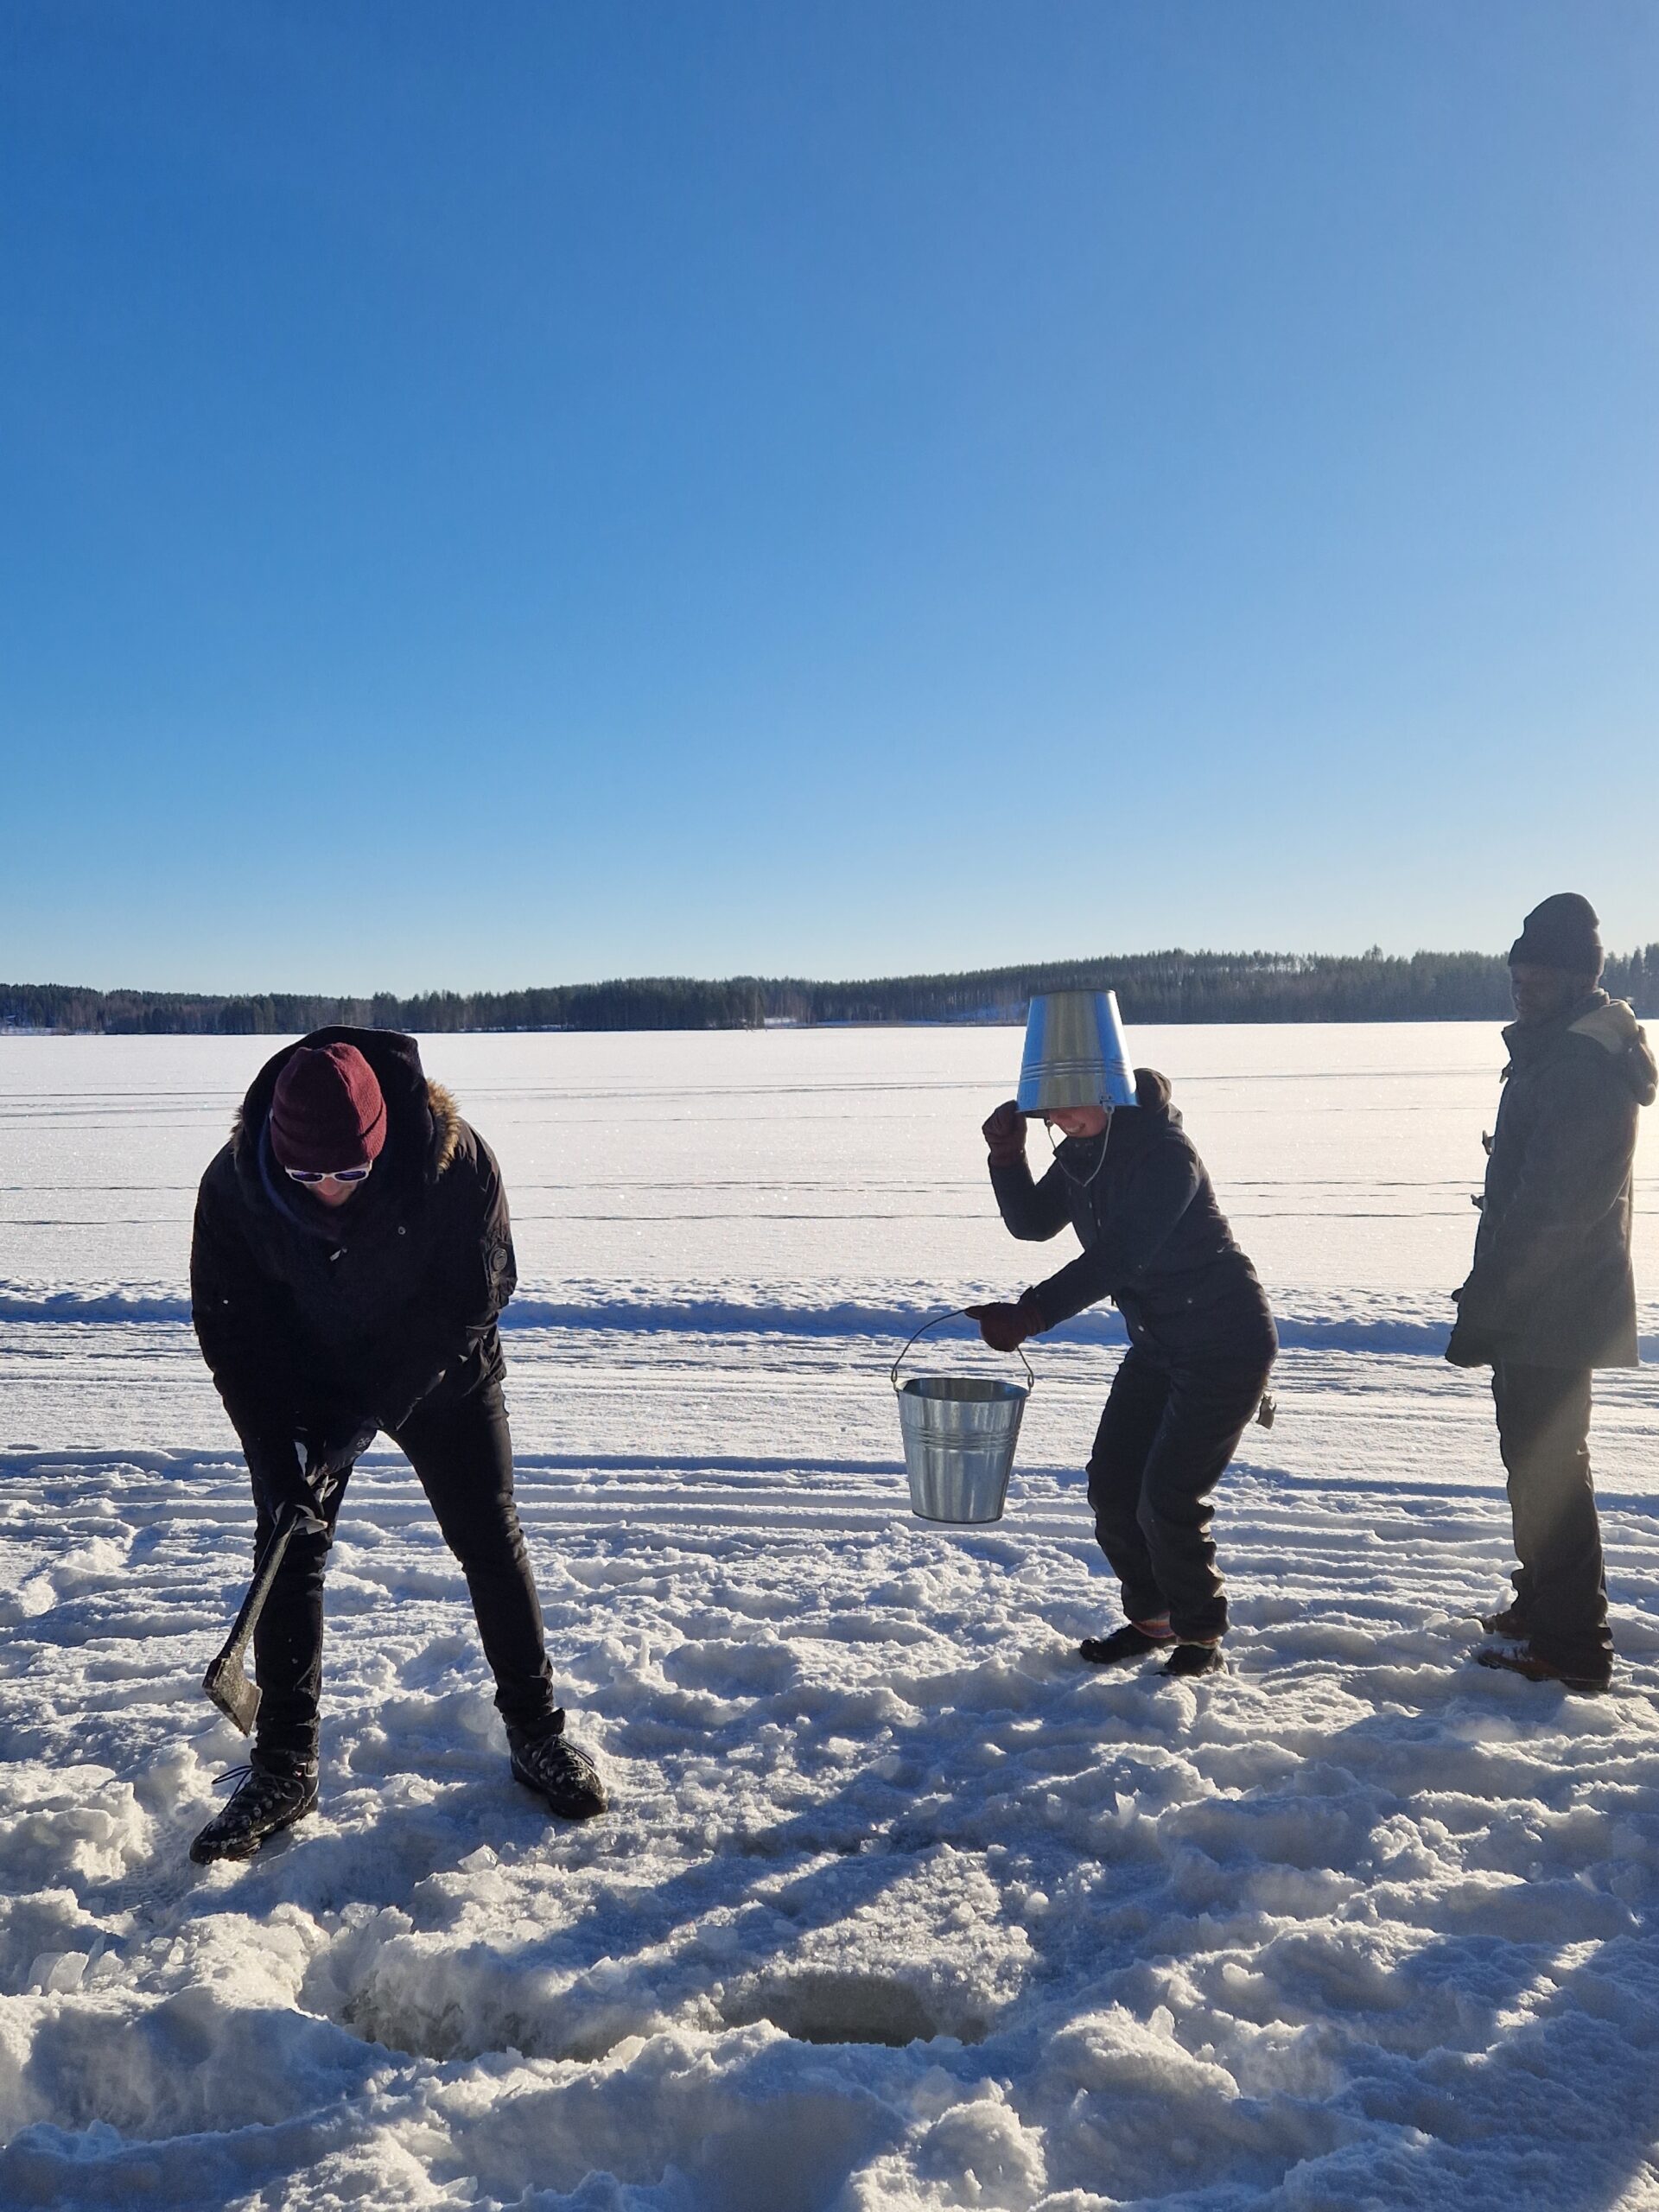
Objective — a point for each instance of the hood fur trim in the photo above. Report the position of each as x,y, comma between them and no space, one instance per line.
1616,1029
1613,1026
445,1126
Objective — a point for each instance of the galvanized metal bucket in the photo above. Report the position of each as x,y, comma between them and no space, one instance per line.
959,1433
1075,1054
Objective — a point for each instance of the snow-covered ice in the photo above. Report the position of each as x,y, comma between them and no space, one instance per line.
900,1906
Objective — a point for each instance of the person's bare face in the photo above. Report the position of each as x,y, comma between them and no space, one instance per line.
1076,1121
1539,994
330,1193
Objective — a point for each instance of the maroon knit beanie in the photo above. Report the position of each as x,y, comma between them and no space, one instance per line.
326,1111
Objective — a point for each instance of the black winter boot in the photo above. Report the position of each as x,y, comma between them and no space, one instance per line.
545,1760
1187,1659
267,1799
1512,1621
1588,1678
1123,1643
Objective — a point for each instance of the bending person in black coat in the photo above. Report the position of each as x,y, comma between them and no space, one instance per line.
1551,1295
1201,1345
351,1255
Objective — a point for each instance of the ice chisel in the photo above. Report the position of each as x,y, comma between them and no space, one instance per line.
225,1682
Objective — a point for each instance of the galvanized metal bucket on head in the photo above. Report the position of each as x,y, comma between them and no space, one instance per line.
959,1432
1075,1054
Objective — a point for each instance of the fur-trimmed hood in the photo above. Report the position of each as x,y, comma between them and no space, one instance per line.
1614,1026
1608,1023
423,1123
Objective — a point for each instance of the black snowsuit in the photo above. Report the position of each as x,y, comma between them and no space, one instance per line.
1201,1343
321,1326
1551,1297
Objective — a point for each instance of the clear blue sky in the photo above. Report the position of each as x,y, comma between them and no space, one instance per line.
564,488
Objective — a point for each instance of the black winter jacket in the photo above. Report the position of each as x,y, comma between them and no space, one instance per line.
1552,1285
324,1322
1154,1240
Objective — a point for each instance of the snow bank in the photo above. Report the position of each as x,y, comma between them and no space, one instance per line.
1392,1323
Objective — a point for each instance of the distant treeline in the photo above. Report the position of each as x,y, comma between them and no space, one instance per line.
1152,987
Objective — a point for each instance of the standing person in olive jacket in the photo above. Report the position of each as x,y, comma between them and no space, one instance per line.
1202,1343
351,1255
1551,1296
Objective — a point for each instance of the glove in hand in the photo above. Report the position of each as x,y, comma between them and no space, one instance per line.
403,1393
1005,1135
283,1476
278,1466
1466,1348
329,1456
1005,1328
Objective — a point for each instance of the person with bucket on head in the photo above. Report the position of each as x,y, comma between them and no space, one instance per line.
1551,1296
1127,1179
351,1253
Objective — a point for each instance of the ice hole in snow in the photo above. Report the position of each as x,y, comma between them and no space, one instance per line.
826,2007
821,2007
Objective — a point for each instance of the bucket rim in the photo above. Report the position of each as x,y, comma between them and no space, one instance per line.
982,1390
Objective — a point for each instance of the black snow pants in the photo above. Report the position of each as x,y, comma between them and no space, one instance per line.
462,1450
1560,1592
1163,1443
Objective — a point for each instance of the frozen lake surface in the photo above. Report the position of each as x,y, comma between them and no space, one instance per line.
900,1906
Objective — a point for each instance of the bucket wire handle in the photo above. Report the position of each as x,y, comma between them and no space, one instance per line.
954,1313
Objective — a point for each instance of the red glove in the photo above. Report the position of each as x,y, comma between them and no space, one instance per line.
1005,1135
1005,1328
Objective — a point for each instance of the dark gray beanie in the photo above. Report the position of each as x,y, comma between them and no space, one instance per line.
1564,933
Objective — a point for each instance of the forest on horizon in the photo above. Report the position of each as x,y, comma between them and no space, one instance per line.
1152,988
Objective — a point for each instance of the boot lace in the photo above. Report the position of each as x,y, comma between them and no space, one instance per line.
256,1788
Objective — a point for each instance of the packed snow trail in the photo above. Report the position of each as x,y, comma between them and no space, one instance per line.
900,1906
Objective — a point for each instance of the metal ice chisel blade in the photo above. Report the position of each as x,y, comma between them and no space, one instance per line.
225,1681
